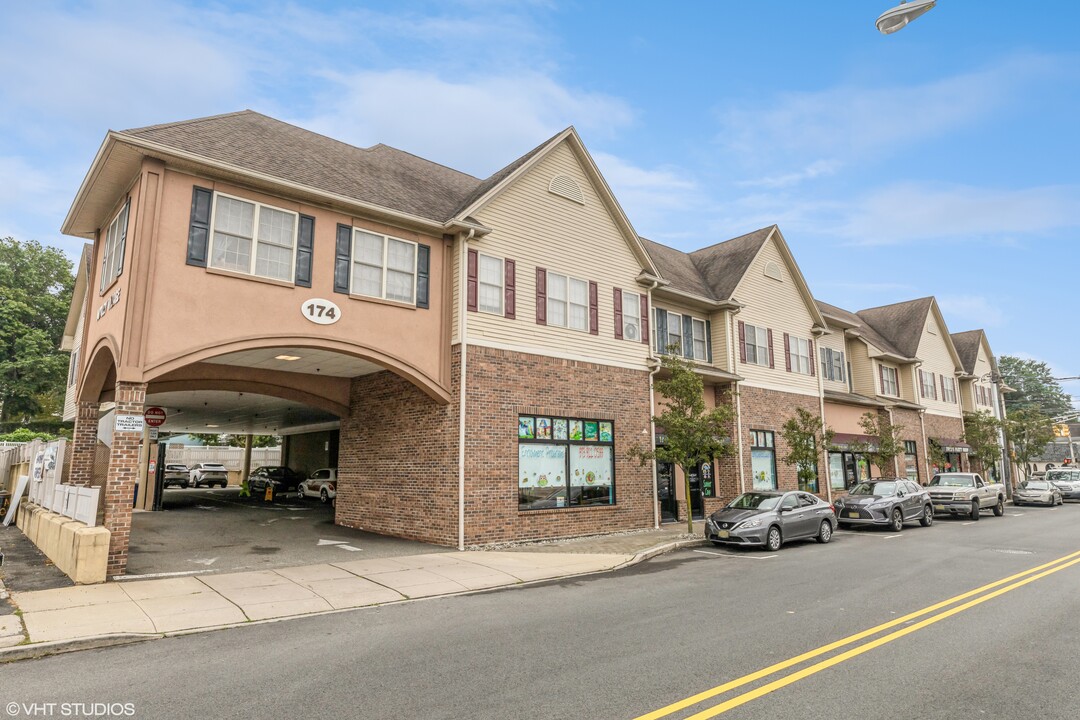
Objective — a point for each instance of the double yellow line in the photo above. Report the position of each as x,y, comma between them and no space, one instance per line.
1003,586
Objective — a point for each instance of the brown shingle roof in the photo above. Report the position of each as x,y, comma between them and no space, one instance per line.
967,347
861,326
712,272
379,175
901,323
677,268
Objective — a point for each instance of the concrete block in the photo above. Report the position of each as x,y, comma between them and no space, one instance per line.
91,555
65,548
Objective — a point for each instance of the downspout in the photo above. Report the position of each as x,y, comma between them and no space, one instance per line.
734,335
463,366
824,451
654,363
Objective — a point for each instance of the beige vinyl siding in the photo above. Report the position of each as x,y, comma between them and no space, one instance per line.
937,359
864,374
455,291
76,347
777,305
721,347
536,228
836,342
967,397
983,368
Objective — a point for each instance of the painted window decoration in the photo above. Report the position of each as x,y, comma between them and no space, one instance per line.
763,459
526,428
565,462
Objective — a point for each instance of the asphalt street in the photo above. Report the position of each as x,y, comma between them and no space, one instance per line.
629,644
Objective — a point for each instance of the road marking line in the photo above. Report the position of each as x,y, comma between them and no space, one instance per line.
970,522
867,647
818,652
350,547
854,533
741,557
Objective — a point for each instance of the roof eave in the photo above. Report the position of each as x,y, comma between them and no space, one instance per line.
690,298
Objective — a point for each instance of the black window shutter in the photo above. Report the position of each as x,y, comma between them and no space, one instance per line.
423,275
198,244
688,337
342,259
708,340
305,243
661,330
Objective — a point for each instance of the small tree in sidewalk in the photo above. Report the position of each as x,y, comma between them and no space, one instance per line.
885,443
804,434
1029,432
694,433
981,433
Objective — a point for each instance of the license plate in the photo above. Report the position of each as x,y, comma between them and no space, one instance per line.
853,514
723,534
939,507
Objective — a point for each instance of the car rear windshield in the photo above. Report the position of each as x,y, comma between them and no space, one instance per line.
953,480
874,488
1035,485
1059,475
212,466
755,501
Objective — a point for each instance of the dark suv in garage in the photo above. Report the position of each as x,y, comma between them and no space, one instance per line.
283,478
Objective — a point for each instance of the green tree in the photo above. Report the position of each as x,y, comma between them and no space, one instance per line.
694,433
35,294
1029,431
981,433
885,443
804,434
24,435
1034,387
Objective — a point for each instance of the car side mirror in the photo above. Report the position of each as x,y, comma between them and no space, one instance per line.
786,508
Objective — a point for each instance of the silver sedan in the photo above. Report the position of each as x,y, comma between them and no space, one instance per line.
1037,492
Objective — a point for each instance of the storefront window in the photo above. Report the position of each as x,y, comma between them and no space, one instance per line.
836,471
763,460
911,461
564,462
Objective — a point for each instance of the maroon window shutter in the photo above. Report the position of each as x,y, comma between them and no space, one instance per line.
787,351
594,312
942,387
772,360
473,285
617,300
742,341
541,296
813,360
881,376
509,290
645,319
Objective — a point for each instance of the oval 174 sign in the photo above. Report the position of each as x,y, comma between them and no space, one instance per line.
321,312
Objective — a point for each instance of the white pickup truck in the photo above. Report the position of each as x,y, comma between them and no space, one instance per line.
965,494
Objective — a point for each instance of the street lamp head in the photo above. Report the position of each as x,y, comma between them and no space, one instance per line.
898,17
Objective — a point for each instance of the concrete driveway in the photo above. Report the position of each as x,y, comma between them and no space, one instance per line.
214,530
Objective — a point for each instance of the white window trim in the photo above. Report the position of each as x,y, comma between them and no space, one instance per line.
635,315
948,389
682,340
747,327
569,303
254,237
794,354
385,251
109,271
502,285
923,375
829,372
704,339
885,370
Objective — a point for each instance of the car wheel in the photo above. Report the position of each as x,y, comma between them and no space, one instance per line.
999,509
897,523
974,510
927,518
773,539
825,533
324,496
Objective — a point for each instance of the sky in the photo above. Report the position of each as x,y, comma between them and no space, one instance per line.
940,160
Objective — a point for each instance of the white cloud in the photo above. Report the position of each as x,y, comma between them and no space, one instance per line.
477,125
816,169
971,310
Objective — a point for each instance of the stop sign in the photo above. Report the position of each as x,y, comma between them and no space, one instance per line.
154,416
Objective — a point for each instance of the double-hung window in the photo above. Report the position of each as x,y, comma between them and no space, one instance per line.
383,267
699,348
927,389
757,345
567,302
890,384
799,355
490,278
832,364
112,262
631,315
674,333
948,389
253,238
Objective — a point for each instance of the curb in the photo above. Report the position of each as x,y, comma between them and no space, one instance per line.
57,647
652,552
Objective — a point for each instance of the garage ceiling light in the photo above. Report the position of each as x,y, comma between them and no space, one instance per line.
209,425
287,357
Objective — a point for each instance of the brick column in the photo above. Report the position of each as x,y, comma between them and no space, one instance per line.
123,474
84,443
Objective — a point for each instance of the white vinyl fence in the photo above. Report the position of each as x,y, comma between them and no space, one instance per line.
231,457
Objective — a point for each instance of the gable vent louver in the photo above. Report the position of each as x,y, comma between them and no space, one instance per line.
772,270
565,186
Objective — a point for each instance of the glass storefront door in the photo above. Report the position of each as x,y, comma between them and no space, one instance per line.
665,491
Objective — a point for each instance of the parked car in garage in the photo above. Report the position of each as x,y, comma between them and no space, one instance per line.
888,502
1037,492
1067,480
209,474
283,479
177,474
321,484
771,518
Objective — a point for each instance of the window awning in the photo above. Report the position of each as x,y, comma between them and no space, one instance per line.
844,441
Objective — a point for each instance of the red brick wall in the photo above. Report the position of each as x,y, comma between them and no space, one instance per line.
84,443
503,384
912,430
940,426
123,473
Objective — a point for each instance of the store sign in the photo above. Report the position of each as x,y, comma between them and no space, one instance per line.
128,423
956,449
113,299
320,311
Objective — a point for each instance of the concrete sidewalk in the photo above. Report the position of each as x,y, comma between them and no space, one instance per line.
66,618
